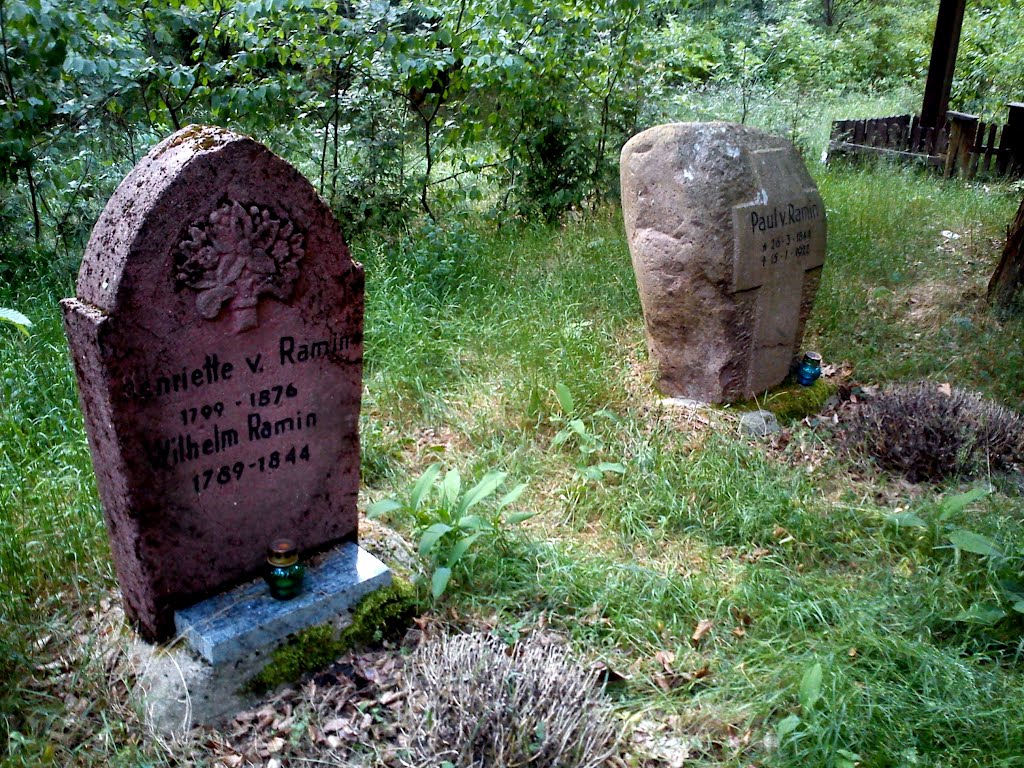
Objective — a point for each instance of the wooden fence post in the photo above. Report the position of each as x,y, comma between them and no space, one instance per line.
942,63
1013,137
963,129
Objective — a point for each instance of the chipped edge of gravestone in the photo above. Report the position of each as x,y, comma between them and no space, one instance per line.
176,690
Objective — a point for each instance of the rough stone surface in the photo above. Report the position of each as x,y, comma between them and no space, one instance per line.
759,423
176,690
229,626
727,234
217,341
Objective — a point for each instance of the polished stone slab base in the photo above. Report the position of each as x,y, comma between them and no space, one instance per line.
231,637
235,624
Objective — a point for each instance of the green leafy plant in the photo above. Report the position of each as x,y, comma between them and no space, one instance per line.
16,319
936,522
941,531
445,520
574,431
810,692
809,695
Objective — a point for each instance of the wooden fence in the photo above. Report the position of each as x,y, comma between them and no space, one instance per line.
963,145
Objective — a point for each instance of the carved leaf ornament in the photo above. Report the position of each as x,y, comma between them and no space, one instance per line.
236,256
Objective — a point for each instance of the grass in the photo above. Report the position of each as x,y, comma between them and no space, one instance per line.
788,549
904,291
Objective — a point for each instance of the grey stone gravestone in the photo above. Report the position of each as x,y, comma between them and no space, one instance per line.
727,234
217,341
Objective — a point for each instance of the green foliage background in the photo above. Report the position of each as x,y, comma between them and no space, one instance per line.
458,141
518,108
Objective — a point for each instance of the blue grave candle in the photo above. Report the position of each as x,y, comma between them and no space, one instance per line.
809,369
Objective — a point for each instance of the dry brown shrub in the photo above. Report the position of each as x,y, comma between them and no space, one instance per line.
473,702
928,431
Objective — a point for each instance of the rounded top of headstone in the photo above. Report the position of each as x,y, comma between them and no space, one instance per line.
701,167
712,163
704,136
121,220
200,184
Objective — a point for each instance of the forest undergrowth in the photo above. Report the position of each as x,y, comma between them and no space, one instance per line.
770,602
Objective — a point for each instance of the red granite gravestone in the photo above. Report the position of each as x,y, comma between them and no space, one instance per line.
217,340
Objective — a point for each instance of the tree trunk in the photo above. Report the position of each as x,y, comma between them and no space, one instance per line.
1007,277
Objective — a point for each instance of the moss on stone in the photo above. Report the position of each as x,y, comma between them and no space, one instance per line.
381,614
310,649
790,401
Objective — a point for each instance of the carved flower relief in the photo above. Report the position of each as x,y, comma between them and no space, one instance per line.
237,256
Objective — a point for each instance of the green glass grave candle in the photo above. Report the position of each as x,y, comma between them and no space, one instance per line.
285,573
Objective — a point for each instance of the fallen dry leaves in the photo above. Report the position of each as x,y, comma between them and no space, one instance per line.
349,713
669,678
84,667
675,741
355,701
666,659
703,627
754,555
